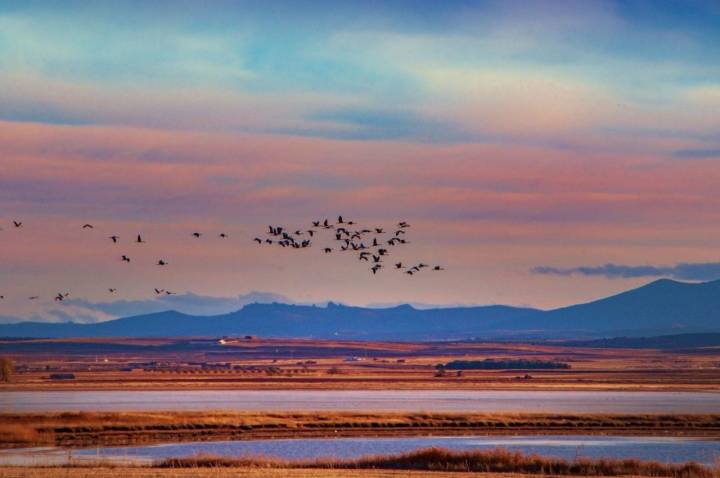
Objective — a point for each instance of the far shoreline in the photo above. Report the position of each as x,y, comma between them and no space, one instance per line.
85,429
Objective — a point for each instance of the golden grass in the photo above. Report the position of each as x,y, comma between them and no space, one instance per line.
118,428
142,472
485,461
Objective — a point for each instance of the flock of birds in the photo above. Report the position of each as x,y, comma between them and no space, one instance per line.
348,239
372,246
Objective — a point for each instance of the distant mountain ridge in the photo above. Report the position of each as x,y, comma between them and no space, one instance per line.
660,307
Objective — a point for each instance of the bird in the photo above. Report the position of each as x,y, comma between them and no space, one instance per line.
398,265
327,250
438,268
2,297
139,239
316,223
159,291
60,296
112,290
375,268
88,226
340,220
125,258
17,223
197,234
114,238
259,241
222,235
409,272
33,297
378,230
161,262
167,292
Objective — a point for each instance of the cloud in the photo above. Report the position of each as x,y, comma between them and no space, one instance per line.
698,271
188,303
370,124
697,154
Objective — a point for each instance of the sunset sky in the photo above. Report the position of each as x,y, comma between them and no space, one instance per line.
545,153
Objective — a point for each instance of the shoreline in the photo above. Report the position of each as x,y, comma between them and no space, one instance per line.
438,461
85,429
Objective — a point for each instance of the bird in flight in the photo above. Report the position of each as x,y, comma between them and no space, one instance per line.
88,226
197,234
159,291
114,238
375,268
259,241
438,268
167,292
222,235
139,239
60,297
33,297
2,297
125,258
17,223
398,265
327,250
112,291
162,262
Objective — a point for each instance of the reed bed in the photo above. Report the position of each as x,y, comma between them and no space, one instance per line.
98,428
484,461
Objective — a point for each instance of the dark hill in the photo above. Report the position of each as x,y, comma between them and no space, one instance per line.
661,307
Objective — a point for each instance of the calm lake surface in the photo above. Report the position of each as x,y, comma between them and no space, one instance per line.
669,450
393,400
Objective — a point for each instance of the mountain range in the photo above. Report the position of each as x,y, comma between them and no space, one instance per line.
660,307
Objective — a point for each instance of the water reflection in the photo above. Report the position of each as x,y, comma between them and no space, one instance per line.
675,450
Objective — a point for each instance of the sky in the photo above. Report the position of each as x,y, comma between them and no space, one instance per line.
545,153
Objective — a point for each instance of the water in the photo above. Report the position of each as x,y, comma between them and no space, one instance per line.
669,450
393,400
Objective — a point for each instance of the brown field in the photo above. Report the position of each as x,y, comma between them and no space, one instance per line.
83,429
435,461
156,364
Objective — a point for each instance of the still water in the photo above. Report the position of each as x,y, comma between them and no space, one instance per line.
670,450
352,400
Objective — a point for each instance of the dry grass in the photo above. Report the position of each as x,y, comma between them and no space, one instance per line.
486,461
119,428
140,472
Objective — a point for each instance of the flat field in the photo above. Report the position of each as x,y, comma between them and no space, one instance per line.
255,364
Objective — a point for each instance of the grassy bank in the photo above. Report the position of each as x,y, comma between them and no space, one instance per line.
97,428
143,472
486,461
